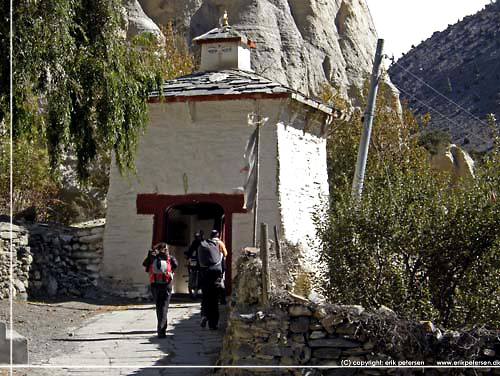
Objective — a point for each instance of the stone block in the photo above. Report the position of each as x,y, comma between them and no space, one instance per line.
346,329
86,255
287,361
298,338
242,332
355,351
28,259
302,354
263,356
355,309
22,296
19,348
317,334
23,240
299,310
299,324
326,353
334,342
90,239
93,267
272,324
368,345
331,320
83,232
19,285
65,238
97,230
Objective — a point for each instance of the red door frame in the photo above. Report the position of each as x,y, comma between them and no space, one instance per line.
157,204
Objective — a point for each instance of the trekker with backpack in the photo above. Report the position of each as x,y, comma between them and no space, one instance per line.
210,259
160,265
222,249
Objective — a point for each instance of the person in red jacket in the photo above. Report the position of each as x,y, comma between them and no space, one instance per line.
160,266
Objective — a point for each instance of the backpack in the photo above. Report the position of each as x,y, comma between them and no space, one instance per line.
161,271
209,254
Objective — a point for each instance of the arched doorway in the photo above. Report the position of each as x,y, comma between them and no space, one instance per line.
218,207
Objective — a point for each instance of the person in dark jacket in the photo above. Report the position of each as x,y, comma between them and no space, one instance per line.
192,251
210,259
160,266
193,265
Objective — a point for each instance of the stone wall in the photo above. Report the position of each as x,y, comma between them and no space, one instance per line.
294,331
51,260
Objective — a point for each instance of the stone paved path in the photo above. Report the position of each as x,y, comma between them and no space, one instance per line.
127,339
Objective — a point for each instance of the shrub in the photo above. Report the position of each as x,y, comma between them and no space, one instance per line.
415,243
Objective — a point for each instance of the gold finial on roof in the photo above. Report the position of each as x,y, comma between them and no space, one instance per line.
225,20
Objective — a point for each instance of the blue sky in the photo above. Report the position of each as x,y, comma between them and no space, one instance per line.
402,23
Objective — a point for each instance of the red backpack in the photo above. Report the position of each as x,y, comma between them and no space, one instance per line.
160,271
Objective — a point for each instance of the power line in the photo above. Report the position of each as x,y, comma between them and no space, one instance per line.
436,91
371,18
443,115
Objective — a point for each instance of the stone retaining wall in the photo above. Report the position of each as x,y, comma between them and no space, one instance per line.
51,260
293,331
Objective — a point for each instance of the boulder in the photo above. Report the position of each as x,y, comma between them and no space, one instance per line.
138,22
454,160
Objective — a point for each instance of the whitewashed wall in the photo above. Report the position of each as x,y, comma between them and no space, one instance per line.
204,141
303,183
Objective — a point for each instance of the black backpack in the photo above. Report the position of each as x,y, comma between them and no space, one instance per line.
209,254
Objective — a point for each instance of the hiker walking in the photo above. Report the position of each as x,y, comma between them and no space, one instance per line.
193,265
221,290
210,257
160,265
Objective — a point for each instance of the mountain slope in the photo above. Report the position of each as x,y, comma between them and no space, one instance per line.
463,64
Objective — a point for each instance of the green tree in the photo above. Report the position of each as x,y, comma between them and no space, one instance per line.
417,243
78,85
79,89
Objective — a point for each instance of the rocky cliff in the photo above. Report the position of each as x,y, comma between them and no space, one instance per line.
463,64
300,43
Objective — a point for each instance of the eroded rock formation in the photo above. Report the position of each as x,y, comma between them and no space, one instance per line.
300,43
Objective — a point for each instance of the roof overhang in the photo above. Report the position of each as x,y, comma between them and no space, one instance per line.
252,96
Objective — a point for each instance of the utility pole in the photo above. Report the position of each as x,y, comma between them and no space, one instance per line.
264,256
359,175
257,166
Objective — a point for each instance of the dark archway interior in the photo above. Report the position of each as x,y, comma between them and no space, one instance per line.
183,220
180,224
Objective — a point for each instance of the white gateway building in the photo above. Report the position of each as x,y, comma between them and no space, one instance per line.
189,165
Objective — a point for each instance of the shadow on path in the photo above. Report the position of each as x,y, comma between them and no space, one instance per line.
126,339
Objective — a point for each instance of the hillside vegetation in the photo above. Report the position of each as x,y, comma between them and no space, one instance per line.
418,242
463,64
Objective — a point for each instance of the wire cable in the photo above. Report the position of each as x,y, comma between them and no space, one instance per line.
436,91
469,134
